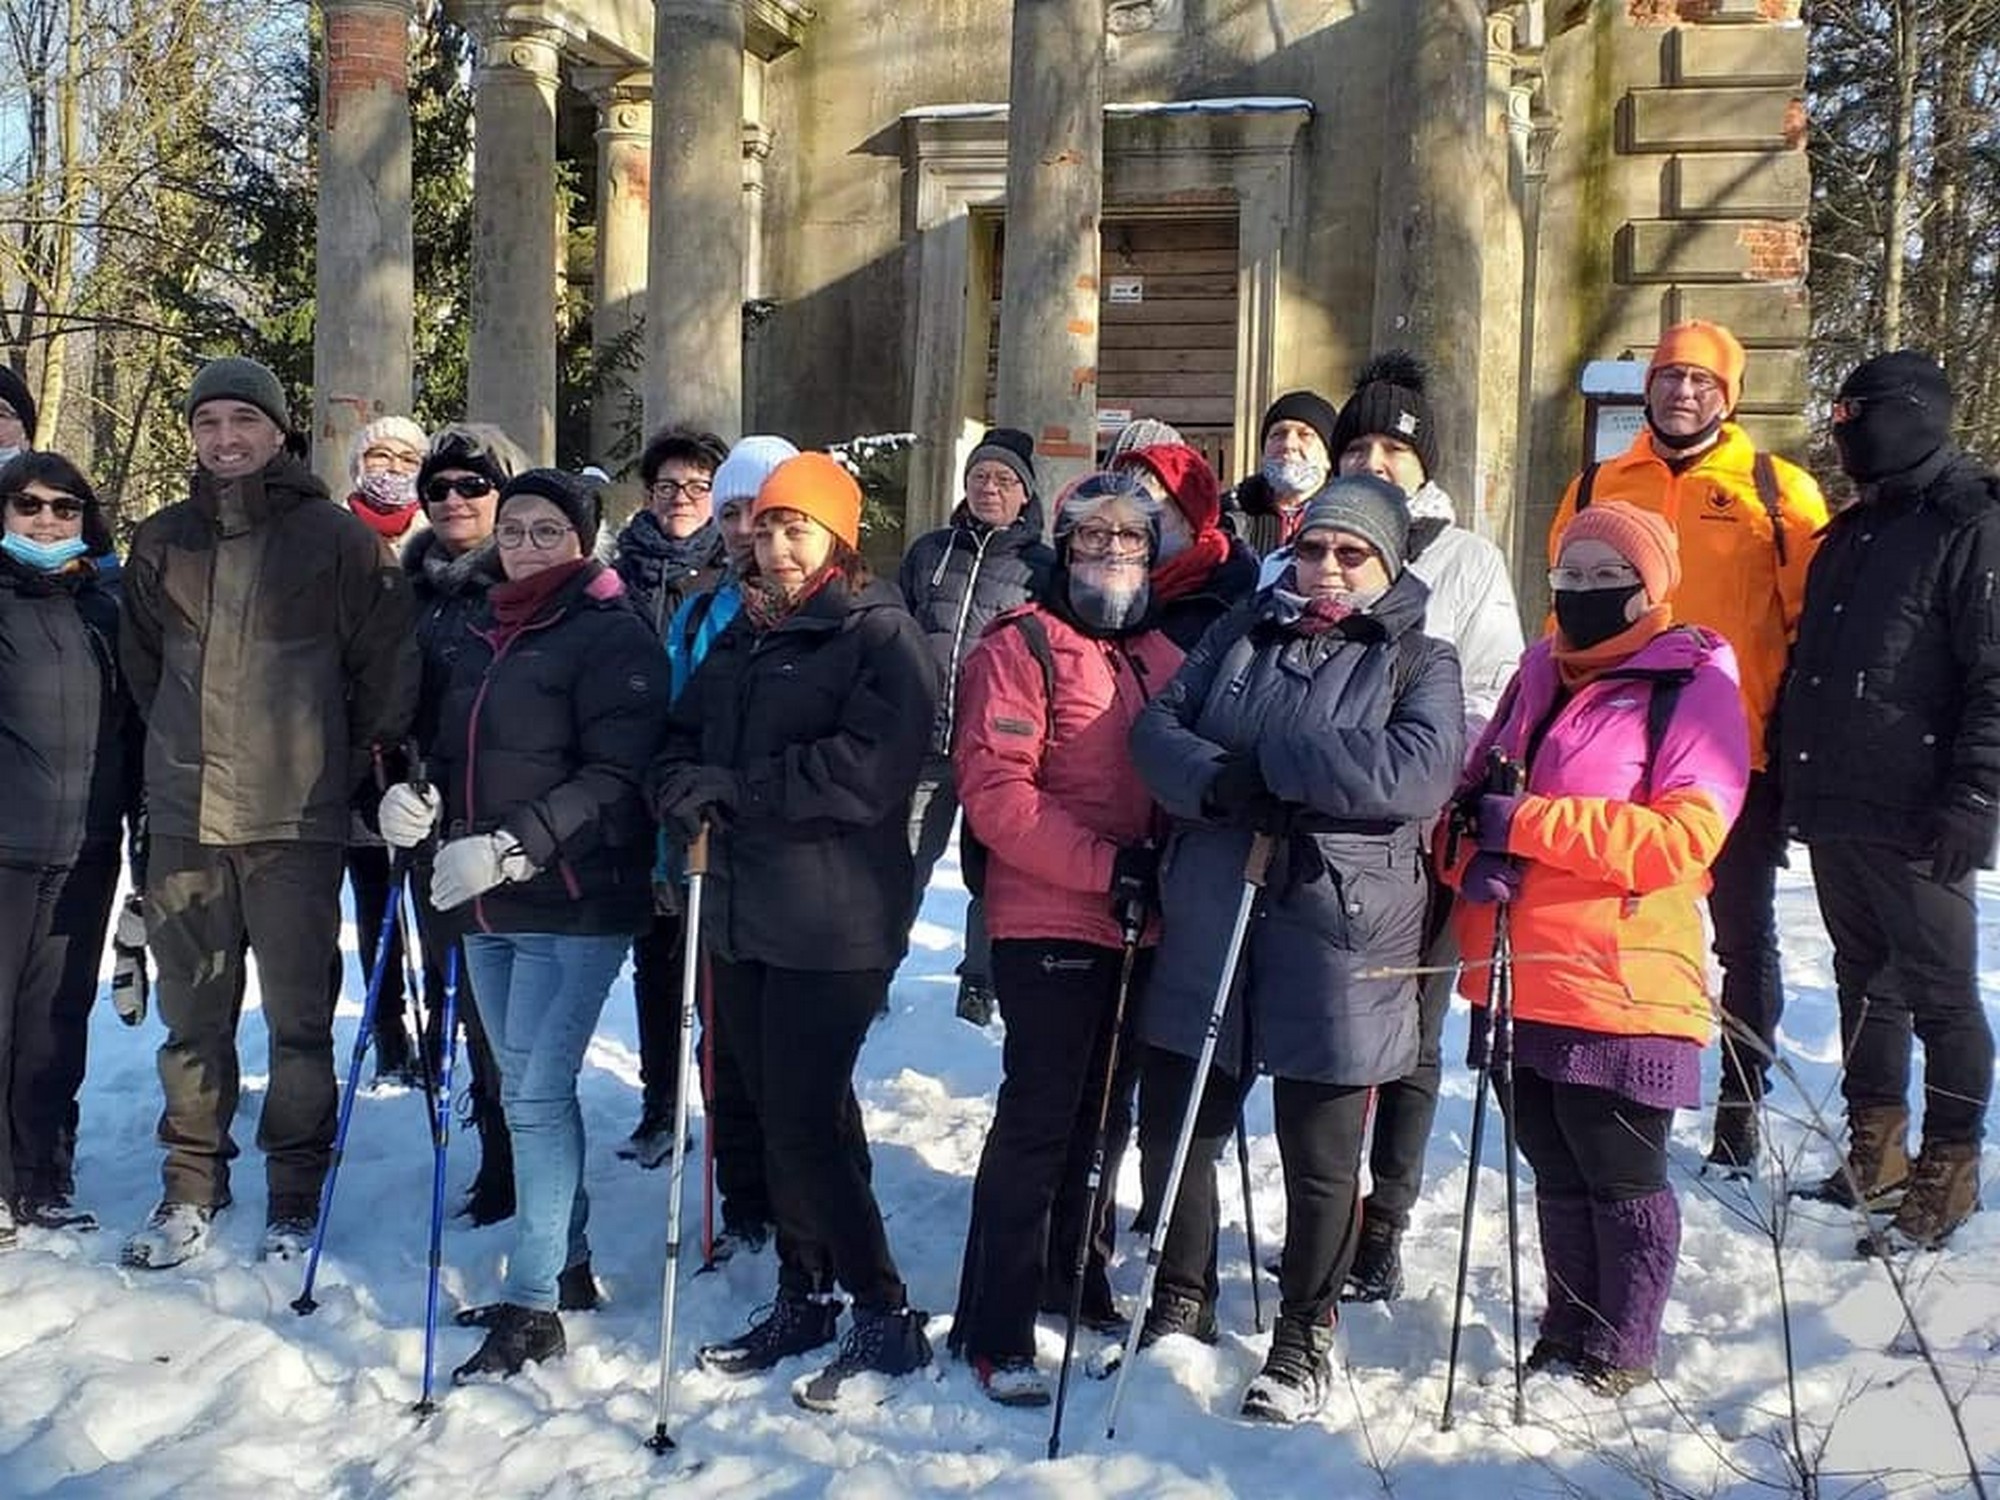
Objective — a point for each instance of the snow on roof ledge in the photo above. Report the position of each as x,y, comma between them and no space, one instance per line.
1245,105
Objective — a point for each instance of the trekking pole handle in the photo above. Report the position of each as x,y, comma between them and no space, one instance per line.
697,853
1257,866
1503,773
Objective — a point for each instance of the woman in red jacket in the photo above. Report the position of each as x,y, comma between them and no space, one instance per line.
1047,702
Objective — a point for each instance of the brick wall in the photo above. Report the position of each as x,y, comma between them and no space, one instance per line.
367,47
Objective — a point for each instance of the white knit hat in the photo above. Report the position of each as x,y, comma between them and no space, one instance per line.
749,464
393,429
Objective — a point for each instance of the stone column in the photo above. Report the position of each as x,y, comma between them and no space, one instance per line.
362,341
515,235
624,206
694,302
1055,198
1429,267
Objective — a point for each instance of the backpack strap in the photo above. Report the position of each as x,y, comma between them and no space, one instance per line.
1036,636
1585,483
1660,706
1764,473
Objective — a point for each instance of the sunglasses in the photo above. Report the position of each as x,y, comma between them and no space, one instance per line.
1850,408
1347,554
465,486
66,508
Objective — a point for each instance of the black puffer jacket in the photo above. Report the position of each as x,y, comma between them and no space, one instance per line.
68,733
1360,731
959,579
1892,699
548,734
1186,619
268,645
661,571
449,593
825,717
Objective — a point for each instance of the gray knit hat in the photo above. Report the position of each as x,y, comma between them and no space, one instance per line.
234,378
1364,506
1009,446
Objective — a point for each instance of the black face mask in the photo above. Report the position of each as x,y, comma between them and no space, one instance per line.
1888,437
1589,617
1681,442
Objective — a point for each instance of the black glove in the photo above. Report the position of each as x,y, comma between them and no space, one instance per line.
689,796
1962,837
1135,882
1238,795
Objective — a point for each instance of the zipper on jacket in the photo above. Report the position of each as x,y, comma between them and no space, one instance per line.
472,741
1860,686
958,630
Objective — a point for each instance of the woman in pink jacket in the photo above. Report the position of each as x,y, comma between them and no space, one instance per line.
1633,753
1046,704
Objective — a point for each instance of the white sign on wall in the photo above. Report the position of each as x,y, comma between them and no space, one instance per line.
1126,291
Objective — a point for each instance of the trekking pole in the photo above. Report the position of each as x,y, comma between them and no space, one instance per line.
304,1304
708,1116
1503,951
440,1145
1133,921
1255,868
697,872
1250,1223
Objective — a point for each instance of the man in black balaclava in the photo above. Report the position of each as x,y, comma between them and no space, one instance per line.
1889,737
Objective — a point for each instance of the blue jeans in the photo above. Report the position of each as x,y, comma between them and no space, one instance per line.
540,995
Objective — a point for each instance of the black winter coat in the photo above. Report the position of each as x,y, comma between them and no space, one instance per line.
268,645
660,571
957,580
547,734
449,593
68,733
825,717
1361,731
1892,700
1186,619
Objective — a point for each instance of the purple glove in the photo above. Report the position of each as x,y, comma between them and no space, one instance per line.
1496,818
1490,878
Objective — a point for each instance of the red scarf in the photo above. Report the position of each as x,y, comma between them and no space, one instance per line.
1578,667
768,606
1189,569
516,602
388,523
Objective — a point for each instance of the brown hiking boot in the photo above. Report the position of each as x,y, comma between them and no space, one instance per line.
1877,1164
1943,1193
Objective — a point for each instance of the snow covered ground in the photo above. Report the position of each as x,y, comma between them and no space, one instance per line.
202,1381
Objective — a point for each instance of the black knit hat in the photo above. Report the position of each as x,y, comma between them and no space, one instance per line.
1009,446
474,447
1309,407
14,391
1903,406
572,494
233,378
1364,506
1389,401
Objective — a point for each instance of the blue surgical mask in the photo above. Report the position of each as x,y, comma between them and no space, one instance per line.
45,557
8,455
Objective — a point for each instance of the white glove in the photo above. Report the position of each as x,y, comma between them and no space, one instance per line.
408,814
471,867
130,983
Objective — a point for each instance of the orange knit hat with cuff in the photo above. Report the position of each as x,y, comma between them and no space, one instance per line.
1705,346
1644,538
815,485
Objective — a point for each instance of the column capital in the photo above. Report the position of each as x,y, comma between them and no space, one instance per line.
511,43
623,98
758,139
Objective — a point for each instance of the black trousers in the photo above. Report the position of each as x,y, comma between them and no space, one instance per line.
207,908
1743,907
1905,963
1586,1142
52,925
1031,1197
368,873
1320,1129
1406,1108
439,933
659,956
796,1034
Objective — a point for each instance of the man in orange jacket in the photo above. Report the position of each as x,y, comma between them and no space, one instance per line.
1748,525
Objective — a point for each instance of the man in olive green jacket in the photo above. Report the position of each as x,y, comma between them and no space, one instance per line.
272,652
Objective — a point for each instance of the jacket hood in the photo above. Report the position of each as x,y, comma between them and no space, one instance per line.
1188,478
281,485
428,566
1678,648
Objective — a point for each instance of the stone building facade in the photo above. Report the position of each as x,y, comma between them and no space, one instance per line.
806,204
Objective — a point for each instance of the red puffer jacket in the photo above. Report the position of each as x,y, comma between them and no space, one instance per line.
1053,808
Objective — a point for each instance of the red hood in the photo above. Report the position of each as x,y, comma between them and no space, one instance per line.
1188,478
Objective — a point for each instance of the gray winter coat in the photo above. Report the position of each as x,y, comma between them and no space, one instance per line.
1360,731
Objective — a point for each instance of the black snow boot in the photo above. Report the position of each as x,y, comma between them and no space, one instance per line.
1172,1313
1737,1143
516,1336
491,1196
576,1291
1297,1374
1377,1272
792,1325
885,1342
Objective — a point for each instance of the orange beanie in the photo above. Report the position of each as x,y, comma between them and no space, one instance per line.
1705,346
814,485
1644,538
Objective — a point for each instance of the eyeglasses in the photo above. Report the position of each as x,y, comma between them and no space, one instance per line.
465,486
1704,383
1094,539
1349,555
66,507
1850,408
998,477
671,490
1601,576
546,535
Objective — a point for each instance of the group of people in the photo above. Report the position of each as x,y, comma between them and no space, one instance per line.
455,679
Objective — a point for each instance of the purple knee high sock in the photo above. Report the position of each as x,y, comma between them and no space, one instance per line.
1638,1243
